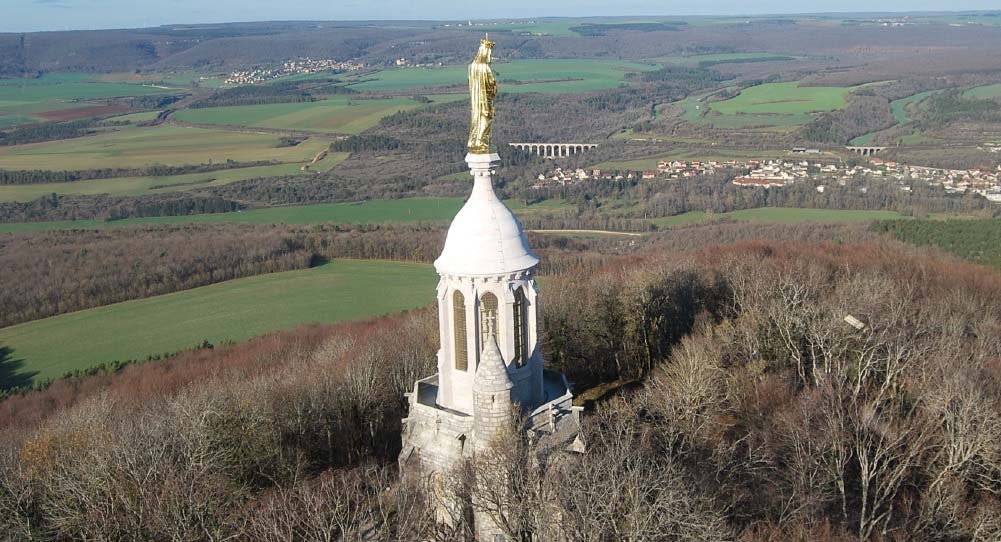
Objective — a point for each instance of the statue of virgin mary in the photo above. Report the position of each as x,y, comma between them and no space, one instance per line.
482,90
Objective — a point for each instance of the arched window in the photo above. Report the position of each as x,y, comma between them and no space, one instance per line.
520,327
488,313
459,328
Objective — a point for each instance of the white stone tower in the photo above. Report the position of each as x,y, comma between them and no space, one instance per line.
490,363
486,272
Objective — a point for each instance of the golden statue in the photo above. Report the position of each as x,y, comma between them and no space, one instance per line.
482,90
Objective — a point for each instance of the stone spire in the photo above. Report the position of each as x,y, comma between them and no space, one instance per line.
491,375
492,405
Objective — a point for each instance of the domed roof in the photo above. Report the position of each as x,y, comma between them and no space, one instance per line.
485,238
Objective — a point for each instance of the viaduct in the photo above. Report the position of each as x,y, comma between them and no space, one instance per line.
865,151
553,150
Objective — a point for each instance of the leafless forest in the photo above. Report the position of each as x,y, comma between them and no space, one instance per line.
752,412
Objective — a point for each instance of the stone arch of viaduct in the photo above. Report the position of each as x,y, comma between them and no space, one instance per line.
554,150
865,151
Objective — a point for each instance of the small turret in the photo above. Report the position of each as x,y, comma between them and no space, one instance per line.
492,405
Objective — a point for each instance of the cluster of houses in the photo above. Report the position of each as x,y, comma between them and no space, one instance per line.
404,62
985,182
566,177
291,67
779,173
775,173
676,169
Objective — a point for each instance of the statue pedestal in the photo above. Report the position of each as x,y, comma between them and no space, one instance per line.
482,164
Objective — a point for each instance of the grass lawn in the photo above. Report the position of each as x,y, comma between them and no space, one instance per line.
143,146
783,99
779,215
517,76
234,310
340,114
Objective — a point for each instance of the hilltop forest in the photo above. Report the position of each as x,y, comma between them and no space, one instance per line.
754,411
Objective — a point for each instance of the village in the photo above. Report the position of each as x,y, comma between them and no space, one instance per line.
299,66
775,173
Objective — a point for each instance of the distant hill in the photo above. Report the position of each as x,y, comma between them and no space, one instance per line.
864,51
196,46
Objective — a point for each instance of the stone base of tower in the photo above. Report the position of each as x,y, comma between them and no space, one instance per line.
437,440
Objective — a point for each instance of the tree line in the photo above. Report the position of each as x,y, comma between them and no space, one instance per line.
284,92
39,176
104,207
55,272
862,114
47,131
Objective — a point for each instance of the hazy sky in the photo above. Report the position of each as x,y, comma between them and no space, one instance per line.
31,15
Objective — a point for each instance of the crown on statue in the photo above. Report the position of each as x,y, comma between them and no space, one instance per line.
486,42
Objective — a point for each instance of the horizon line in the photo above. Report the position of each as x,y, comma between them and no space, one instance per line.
497,19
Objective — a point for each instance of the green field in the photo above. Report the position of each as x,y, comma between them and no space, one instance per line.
234,310
772,106
168,145
783,99
862,140
692,108
339,114
778,215
986,91
173,79
900,107
134,186
365,212
25,100
554,76
69,87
